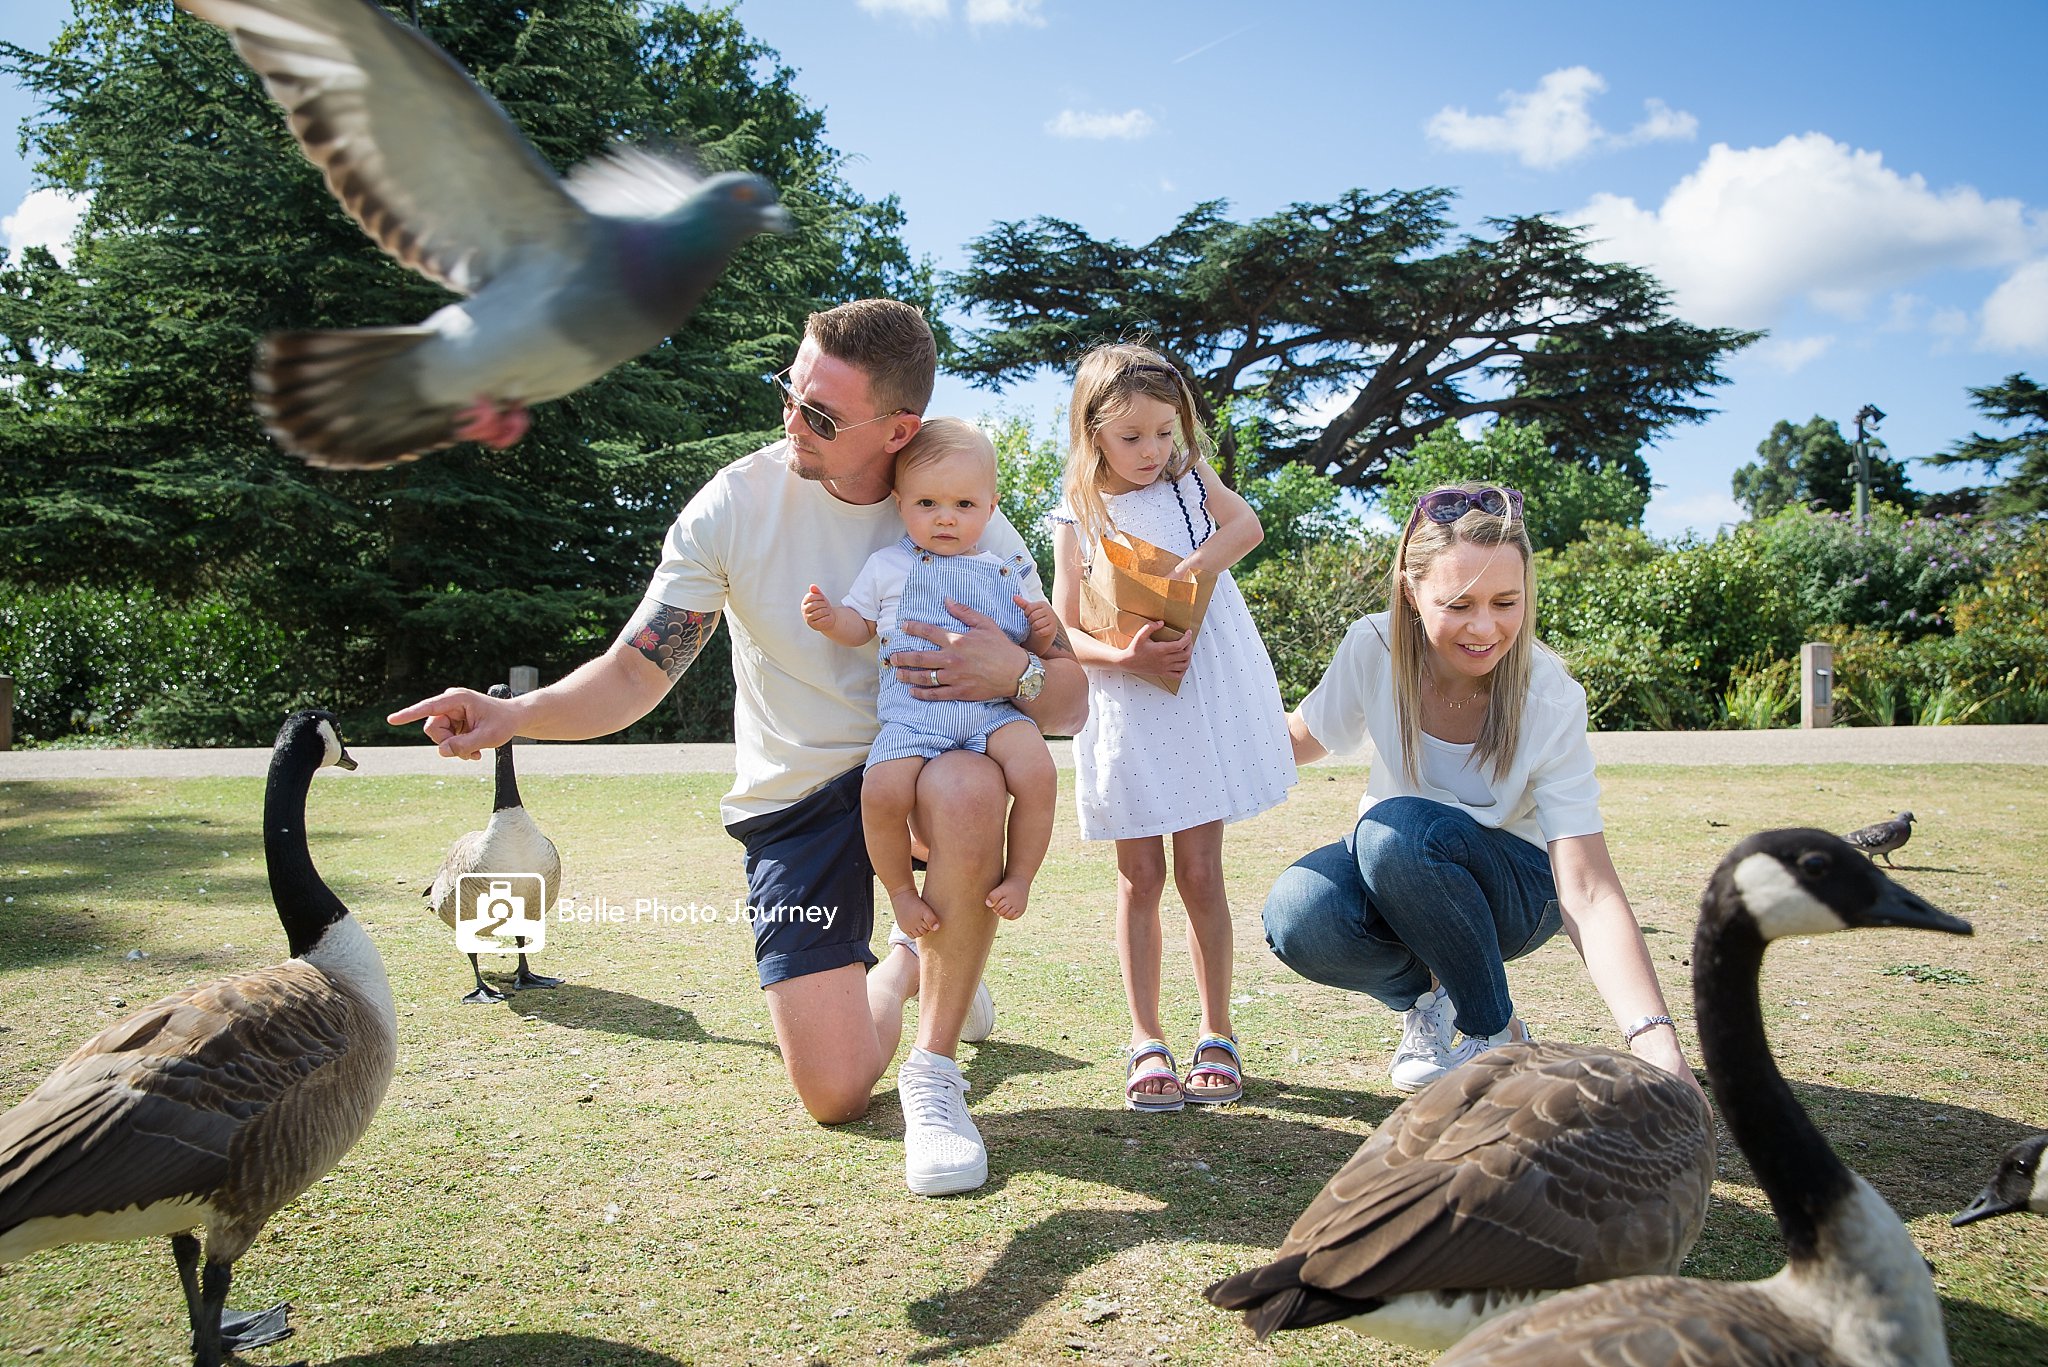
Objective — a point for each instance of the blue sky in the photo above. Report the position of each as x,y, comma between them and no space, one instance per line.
1866,183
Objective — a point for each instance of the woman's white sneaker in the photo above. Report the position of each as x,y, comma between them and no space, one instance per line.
1426,1035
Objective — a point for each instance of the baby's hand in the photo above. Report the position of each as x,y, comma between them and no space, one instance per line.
818,612
1045,624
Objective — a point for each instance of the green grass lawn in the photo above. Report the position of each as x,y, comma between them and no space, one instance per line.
618,1173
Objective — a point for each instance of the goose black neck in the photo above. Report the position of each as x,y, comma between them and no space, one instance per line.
1793,1163
507,796
305,904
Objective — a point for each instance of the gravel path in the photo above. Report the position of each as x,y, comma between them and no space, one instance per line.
1841,745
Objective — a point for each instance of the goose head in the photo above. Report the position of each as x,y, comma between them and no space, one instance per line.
1808,882
306,731
2021,1184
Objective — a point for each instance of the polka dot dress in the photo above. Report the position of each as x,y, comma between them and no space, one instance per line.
1150,762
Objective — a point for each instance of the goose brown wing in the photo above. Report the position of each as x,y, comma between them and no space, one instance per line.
413,149
150,1109
1531,1167
1647,1322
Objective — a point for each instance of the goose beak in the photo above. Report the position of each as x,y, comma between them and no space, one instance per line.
1987,1204
1898,907
346,761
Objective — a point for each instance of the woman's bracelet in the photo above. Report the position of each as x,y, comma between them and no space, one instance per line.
1628,1036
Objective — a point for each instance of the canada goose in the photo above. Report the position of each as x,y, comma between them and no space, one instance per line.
1532,1168
219,1104
1881,838
511,843
2021,1183
1855,1292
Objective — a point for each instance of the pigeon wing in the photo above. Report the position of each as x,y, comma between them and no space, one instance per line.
418,154
633,182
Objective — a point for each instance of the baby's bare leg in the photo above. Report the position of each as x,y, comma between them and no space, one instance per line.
1034,791
887,793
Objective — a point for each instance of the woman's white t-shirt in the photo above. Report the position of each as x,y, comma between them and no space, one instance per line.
1549,791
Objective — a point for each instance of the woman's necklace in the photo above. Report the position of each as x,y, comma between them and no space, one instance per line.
1429,678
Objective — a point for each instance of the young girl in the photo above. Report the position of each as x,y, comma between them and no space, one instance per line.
1151,763
1480,831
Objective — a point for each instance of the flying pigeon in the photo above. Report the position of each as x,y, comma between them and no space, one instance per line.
1883,837
564,279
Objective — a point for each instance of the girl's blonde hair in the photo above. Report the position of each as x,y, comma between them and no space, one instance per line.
1422,543
1108,379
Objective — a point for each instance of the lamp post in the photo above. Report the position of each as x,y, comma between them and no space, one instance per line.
1871,414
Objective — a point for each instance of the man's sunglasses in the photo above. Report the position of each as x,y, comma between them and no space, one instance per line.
821,423
1448,505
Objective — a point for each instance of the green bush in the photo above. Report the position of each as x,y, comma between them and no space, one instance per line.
1304,602
1704,608
100,662
1761,695
1633,682
1893,572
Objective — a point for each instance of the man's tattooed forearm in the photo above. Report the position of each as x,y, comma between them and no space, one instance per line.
672,637
1060,644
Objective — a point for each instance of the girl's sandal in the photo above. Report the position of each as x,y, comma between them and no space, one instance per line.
1224,1081
1136,1100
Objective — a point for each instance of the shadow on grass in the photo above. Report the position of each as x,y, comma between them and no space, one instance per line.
1239,1176
1924,1157
619,1013
96,872
1984,1337
524,1350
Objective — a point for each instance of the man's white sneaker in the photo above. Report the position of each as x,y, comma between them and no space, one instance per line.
981,1012
1426,1035
942,1151
981,1016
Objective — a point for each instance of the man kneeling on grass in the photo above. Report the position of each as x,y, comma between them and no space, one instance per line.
810,509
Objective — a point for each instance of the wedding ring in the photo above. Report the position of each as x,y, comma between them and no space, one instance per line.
935,677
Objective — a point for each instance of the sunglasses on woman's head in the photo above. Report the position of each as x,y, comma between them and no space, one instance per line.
821,423
1448,505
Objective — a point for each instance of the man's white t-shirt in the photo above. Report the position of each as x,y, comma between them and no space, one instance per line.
750,544
1549,791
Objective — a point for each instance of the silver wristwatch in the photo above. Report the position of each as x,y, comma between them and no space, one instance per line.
1033,680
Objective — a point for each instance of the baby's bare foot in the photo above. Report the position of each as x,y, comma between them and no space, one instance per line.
914,915
1008,897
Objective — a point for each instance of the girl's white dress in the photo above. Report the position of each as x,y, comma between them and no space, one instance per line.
1150,762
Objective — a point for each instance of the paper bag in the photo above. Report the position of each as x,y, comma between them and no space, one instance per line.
1128,586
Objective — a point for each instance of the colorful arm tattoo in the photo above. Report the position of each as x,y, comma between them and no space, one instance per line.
672,637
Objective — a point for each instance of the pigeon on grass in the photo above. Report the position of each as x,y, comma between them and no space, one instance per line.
1883,837
564,279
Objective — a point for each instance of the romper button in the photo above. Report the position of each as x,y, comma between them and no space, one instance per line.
1006,569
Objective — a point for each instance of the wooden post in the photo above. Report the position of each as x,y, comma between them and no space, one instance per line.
1816,685
6,712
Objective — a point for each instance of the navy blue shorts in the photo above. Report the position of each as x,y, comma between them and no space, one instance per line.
810,888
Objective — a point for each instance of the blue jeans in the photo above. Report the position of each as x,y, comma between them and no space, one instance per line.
1417,888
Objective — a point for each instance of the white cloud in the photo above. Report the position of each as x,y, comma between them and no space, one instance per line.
1005,12
1551,125
1751,230
1072,123
44,218
1792,354
979,12
921,11
1662,123
2016,314
1949,322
